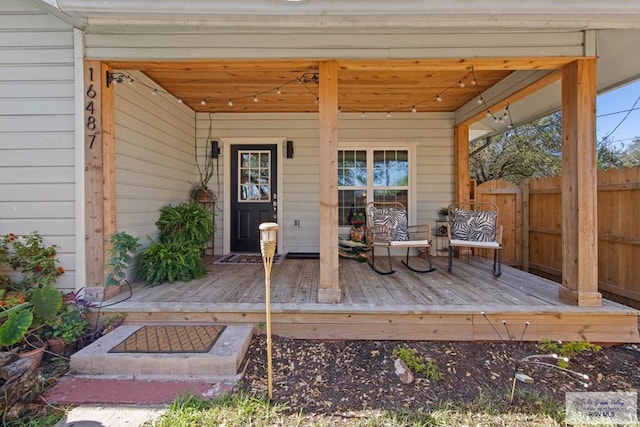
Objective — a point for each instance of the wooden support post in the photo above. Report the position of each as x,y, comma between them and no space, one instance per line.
329,290
99,174
461,163
579,185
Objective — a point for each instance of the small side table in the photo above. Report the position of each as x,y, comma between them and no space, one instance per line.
441,237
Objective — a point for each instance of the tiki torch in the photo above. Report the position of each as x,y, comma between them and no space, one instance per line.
268,241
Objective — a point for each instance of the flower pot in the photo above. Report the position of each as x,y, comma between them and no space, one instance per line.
35,354
61,348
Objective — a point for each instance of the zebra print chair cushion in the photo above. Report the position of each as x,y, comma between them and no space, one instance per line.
476,226
393,218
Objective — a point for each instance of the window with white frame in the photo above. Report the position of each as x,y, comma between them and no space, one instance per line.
371,174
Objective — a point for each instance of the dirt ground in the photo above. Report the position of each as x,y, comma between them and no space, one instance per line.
339,377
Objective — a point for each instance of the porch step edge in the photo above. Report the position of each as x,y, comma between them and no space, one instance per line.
222,361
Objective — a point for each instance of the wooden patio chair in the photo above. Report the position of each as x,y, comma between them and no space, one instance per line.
387,227
475,226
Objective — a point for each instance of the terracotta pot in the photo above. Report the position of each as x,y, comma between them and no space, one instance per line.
61,348
35,355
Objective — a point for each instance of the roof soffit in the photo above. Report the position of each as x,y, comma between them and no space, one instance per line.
457,14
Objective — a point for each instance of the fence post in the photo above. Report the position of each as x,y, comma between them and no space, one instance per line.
524,191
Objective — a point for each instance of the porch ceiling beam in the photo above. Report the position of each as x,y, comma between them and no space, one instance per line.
461,64
494,105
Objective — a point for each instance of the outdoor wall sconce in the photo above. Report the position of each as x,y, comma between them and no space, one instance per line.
289,149
215,149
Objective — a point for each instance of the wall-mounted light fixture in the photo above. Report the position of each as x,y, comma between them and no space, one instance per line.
215,149
289,149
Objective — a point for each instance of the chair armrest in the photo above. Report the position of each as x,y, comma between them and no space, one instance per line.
419,232
378,233
499,234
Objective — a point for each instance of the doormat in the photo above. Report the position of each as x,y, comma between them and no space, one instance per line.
170,339
244,259
303,255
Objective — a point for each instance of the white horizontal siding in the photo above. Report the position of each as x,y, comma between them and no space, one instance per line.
378,43
154,155
37,156
299,199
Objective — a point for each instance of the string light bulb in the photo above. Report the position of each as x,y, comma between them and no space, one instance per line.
179,100
255,98
414,109
388,114
203,102
461,83
362,114
155,92
278,91
438,98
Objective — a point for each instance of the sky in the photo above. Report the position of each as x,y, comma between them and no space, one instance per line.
611,109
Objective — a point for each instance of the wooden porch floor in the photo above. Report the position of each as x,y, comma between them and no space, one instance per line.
404,305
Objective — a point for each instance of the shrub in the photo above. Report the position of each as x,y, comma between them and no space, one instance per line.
122,247
170,262
188,223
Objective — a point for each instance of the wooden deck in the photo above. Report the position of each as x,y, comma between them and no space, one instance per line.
404,305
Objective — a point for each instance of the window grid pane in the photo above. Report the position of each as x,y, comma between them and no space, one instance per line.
254,184
390,172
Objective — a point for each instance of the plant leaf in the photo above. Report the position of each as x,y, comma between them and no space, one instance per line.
47,301
14,328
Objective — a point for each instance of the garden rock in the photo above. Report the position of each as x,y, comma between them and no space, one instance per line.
403,372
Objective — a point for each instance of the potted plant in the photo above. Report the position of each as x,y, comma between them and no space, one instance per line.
357,233
29,303
443,213
178,253
66,329
122,249
200,192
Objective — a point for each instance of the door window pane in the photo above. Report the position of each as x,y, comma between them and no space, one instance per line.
254,170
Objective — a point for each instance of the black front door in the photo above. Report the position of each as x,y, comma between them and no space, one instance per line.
254,194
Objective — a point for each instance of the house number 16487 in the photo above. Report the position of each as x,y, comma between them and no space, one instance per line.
90,123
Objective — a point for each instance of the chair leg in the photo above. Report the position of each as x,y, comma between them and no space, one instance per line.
497,262
372,262
450,260
429,266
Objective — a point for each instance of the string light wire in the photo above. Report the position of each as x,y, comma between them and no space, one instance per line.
312,78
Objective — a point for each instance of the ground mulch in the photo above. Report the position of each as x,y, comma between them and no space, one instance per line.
342,376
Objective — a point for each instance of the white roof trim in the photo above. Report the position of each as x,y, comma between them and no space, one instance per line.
581,14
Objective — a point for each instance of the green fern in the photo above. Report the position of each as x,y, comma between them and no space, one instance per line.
169,262
188,223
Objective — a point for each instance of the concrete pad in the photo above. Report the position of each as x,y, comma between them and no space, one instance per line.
223,361
113,416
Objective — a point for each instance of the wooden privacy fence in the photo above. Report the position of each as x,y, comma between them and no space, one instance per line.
618,232
507,196
532,229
